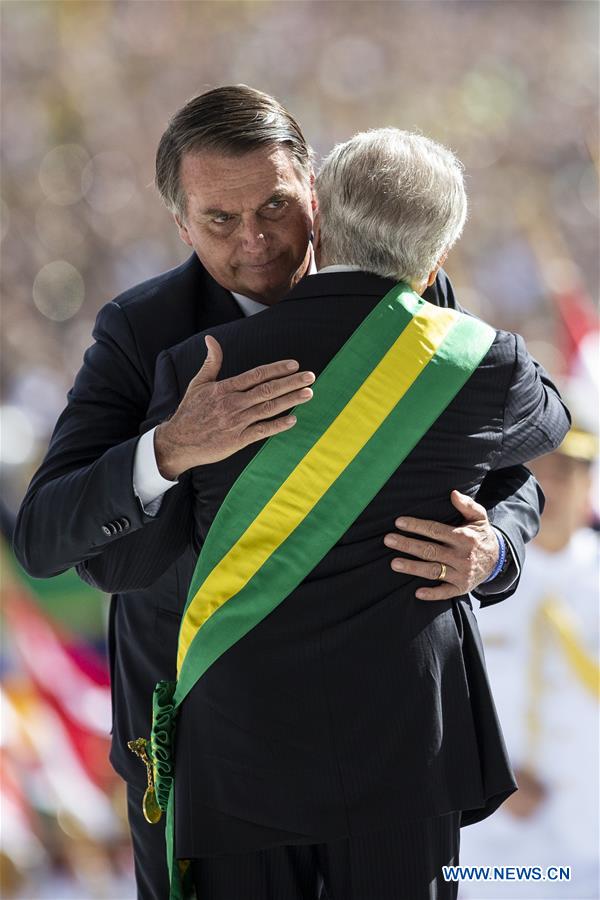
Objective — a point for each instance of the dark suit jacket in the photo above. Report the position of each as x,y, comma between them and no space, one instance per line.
80,504
353,705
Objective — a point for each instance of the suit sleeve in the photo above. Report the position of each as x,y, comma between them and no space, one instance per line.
535,422
535,418
511,495
138,559
81,498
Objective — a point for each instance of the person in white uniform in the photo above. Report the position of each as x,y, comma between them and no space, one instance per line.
542,658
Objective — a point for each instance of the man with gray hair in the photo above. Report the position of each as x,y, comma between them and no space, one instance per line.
328,722
393,203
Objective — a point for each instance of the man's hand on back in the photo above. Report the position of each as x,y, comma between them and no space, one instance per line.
217,418
469,552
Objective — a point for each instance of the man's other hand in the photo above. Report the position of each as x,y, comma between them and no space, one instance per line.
469,552
217,418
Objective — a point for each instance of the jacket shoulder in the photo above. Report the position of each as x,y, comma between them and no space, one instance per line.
499,361
174,283
165,310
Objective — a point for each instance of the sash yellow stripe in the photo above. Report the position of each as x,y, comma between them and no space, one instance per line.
321,466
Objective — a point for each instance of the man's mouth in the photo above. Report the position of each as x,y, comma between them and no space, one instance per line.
260,267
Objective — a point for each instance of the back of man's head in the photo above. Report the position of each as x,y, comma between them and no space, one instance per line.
391,202
232,120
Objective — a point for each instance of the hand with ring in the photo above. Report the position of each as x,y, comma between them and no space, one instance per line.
459,557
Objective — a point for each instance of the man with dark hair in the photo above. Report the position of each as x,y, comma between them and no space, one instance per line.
235,171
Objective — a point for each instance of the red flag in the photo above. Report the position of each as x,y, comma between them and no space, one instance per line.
78,692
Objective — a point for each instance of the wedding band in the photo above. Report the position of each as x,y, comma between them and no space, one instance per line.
442,574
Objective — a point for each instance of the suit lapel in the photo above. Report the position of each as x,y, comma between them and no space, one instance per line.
213,304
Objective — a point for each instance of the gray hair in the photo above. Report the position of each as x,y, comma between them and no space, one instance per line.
233,119
391,202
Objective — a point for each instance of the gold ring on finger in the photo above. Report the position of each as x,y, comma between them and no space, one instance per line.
442,574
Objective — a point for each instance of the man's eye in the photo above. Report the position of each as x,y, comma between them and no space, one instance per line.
221,220
273,208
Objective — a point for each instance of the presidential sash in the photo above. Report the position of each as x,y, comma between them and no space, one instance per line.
305,487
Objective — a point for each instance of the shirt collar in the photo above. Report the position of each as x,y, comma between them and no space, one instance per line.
338,268
247,305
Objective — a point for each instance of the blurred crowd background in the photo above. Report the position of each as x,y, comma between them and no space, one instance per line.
87,89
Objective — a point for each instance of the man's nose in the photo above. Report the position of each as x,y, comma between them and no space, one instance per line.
253,237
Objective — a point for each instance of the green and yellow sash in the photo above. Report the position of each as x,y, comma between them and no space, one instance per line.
302,491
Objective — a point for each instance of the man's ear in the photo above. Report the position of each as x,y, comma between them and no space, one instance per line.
439,264
317,232
313,196
181,228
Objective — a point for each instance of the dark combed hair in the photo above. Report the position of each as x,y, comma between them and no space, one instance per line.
234,119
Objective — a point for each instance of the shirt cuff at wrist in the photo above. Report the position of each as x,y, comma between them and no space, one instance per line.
501,557
148,484
509,573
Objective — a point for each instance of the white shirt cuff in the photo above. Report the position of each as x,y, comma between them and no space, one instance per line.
148,484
